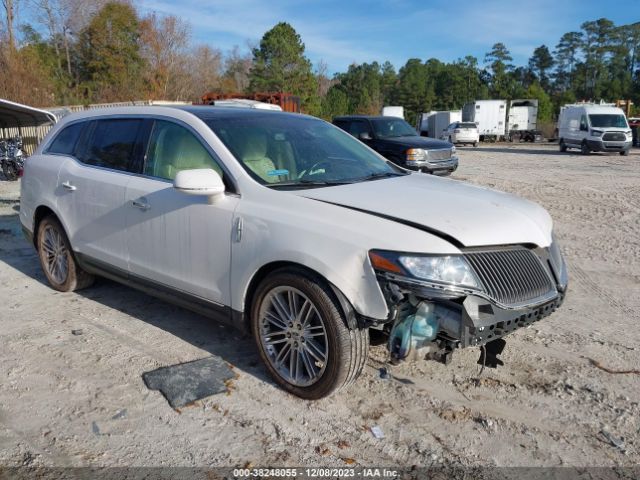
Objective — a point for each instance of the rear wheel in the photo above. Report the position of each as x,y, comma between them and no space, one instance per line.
475,144
57,260
302,336
584,148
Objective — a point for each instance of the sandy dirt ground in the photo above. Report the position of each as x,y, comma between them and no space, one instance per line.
79,400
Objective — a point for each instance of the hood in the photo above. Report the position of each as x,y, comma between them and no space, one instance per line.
415,141
464,214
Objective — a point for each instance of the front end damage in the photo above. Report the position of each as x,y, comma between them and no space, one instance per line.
512,287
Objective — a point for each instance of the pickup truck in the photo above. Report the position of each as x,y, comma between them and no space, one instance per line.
397,141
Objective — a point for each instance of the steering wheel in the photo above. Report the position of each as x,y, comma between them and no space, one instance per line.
316,165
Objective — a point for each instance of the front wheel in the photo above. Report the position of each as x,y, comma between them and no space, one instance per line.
57,260
624,153
302,335
584,149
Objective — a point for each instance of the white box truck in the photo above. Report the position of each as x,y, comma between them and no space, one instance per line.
489,115
439,121
522,120
432,124
422,123
594,128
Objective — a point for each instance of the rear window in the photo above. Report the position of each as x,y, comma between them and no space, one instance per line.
65,141
467,125
114,144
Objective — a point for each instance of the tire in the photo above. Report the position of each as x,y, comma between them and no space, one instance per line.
563,146
338,352
10,171
475,144
57,260
584,149
624,153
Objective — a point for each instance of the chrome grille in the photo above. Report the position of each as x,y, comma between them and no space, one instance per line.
614,137
439,155
511,276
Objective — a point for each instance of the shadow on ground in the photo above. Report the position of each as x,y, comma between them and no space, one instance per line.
231,345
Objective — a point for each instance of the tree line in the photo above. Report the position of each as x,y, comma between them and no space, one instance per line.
93,51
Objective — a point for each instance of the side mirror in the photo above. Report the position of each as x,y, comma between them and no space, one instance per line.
583,127
199,181
364,136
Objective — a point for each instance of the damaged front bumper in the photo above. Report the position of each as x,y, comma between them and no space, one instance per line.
461,317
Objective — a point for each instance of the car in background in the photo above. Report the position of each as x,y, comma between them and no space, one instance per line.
396,140
462,132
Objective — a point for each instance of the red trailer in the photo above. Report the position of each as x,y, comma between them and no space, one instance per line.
286,101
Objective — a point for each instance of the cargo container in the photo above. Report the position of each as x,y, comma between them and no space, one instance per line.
489,115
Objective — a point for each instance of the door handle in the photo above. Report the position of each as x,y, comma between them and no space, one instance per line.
141,204
67,186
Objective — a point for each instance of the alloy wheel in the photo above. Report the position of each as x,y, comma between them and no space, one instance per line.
55,254
293,336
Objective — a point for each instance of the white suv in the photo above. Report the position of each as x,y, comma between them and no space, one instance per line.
285,226
461,132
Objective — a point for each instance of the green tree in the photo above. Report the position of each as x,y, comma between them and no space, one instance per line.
566,54
279,65
540,63
110,54
334,103
498,60
545,106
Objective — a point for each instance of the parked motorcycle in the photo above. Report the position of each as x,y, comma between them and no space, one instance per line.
11,157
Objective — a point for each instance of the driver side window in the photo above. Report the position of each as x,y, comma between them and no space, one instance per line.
172,148
583,123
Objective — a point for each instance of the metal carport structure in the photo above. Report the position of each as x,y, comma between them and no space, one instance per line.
23,120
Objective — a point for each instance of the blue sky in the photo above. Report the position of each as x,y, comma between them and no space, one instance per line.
343,32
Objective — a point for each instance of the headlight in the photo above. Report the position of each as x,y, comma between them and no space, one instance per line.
447,269
596,133
416,155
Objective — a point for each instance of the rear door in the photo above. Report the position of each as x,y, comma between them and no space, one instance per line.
173,239
91,189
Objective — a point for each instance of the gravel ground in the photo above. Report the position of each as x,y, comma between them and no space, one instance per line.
79,400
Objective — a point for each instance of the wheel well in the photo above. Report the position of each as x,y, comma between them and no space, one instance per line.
269,268
41,213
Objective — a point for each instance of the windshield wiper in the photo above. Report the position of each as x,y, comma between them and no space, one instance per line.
376,176
306,183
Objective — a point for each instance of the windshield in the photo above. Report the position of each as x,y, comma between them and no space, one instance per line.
283,150
392,127
608,120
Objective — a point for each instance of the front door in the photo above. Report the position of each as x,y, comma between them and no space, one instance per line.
178,240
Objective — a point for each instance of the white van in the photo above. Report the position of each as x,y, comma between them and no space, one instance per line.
594,128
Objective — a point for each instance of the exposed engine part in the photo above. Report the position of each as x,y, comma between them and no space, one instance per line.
416,328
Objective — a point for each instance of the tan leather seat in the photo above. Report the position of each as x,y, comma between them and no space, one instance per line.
253,153
177,149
